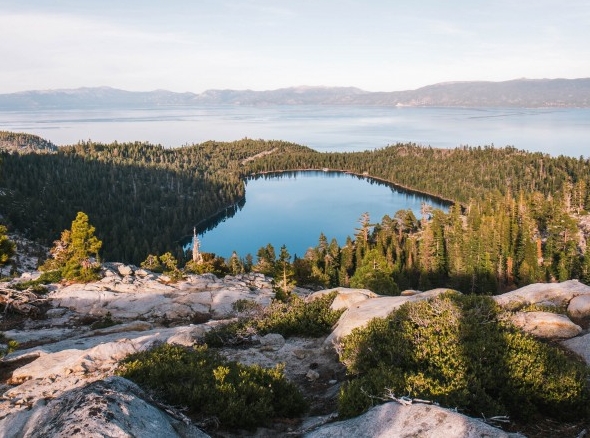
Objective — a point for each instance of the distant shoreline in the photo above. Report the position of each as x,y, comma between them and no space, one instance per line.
516,93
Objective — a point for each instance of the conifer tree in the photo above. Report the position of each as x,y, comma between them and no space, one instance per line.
75,254
7,247
283,276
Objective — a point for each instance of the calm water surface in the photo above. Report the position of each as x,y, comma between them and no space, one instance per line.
293,208
324,128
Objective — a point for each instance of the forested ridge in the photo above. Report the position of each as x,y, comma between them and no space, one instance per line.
457,174
142,198
515,220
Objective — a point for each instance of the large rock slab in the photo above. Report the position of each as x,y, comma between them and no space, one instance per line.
539,293
546,325
114,407
360,314
133,297
90,354
416,420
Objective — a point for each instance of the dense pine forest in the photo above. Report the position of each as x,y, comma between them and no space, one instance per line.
516,216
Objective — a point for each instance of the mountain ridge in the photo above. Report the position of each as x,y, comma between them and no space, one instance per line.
529,93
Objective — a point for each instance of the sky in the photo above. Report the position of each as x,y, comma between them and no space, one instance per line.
195,45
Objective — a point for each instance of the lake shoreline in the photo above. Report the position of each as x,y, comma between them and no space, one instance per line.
211,222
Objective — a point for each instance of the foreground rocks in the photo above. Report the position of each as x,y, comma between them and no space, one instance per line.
546,325
60,383
551,294
113,407
415,420
141,295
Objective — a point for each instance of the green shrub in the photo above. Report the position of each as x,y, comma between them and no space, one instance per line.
458,351
293,318
49,277
246,306
104,322
37,285
239,396
9,347
537,307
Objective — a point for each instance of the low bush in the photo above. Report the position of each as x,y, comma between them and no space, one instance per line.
295,317
520,306
238,396
36,286
49,277
460,352
105,322
6,345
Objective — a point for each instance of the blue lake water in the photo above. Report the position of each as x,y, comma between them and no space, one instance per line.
293,208
324,128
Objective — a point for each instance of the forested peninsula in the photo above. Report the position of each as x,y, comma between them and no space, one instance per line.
517,217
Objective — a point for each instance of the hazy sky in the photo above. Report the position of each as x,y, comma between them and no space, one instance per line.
194,45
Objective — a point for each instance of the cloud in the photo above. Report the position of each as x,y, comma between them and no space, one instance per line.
264,44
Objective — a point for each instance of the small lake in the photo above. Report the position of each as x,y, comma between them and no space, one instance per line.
293,208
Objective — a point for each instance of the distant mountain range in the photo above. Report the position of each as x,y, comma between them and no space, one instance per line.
523,93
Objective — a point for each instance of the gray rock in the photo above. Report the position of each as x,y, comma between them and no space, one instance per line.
141,273
110,274
55,313
579,345
579,307
346,297
556,293
272,342
42,336
125,270
416,420
546,325
99,353
312,375
410,292
114,407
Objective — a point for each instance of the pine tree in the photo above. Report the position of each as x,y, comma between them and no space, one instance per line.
283,275
76,253
7,247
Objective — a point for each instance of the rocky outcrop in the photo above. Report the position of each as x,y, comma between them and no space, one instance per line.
114,407
546,325
579,307
139,296
557,294
65,373
396,420
94,353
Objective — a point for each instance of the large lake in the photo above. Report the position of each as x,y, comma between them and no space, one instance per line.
324,128
293,210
